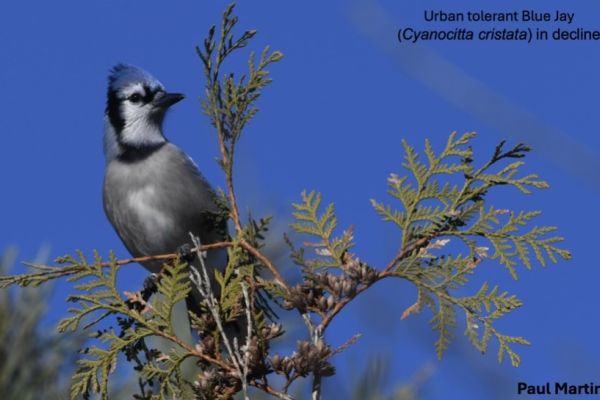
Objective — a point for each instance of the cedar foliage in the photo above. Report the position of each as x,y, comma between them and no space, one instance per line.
427,205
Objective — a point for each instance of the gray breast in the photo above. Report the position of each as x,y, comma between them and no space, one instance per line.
154,202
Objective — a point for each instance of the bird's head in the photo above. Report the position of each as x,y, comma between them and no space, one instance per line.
135,109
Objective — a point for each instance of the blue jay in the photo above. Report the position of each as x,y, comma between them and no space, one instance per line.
154,195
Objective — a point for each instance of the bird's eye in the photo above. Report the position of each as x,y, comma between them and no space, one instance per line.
135,98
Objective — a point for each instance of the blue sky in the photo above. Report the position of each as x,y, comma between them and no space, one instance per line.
344,96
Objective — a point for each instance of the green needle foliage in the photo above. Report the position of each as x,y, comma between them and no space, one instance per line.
98,294
330,249
431,213
460,211
230,102
441,199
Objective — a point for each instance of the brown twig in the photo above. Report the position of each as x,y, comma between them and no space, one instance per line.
168,256
347,343
268,389
289,381
266,262
235,215
227,162
205,247
407,251
342,303
191,350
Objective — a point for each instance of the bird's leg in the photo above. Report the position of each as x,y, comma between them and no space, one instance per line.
186,253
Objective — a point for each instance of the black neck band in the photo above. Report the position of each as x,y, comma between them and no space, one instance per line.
129,153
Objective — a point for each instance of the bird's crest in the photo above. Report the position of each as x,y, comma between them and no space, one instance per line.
121,75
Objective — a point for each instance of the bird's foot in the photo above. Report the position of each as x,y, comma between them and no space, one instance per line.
150,286
137,301
186,253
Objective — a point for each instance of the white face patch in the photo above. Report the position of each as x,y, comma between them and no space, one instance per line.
136,87
140,128
141,202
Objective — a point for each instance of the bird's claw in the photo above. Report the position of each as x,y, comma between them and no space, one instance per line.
186,253
150,286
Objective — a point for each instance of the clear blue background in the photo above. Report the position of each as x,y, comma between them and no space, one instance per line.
344,96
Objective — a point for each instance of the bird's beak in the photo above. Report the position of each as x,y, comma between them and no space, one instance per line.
166,100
